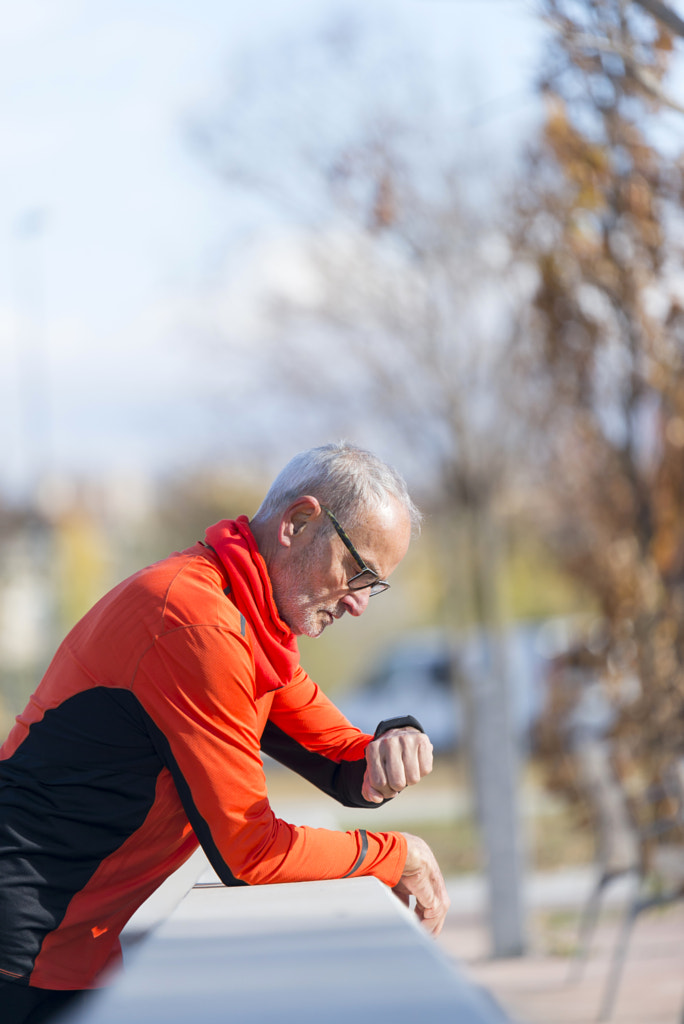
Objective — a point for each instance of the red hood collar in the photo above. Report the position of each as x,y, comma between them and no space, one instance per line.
274,644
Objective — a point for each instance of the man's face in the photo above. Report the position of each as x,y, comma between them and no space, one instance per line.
310,578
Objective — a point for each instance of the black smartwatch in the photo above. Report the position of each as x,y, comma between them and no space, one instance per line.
403,722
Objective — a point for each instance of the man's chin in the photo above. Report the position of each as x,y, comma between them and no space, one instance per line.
321,622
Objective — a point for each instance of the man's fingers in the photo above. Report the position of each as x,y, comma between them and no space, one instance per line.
378,769
397,759
375,796
424,759
423,879
394,768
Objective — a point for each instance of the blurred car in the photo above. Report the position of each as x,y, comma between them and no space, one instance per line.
430,674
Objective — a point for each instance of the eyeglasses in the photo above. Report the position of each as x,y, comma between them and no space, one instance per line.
367,578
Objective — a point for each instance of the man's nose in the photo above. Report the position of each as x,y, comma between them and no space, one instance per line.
356,601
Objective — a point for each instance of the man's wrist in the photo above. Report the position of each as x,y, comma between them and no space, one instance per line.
402,722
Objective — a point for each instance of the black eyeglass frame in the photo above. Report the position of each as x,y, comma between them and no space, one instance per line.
376,585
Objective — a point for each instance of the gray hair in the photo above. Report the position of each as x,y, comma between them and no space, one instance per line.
350,481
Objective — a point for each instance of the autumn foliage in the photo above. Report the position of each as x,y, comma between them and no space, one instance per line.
602,366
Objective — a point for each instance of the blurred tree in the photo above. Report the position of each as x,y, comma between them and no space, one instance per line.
398,327
665,14
601,371
392,321
80,565
26,605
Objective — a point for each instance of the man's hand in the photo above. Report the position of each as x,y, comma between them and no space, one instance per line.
423,879
397,759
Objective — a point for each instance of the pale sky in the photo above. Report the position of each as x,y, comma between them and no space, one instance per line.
110,224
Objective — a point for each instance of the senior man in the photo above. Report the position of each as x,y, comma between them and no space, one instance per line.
145,735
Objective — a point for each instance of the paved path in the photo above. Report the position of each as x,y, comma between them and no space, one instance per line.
536,989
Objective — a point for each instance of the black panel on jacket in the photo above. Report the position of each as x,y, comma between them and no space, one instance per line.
81,782
199,824
342,780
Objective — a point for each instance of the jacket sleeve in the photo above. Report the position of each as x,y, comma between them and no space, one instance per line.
196,685
309,735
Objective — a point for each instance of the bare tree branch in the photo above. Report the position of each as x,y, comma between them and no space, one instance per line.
664,14
648,81
652,86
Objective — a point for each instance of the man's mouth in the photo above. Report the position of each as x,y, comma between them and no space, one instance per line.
331,617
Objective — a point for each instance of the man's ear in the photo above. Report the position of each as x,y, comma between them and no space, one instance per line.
296,518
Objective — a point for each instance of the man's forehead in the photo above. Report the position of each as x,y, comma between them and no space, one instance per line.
389,518
384,535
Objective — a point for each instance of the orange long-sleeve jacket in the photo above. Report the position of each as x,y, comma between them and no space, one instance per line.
145,737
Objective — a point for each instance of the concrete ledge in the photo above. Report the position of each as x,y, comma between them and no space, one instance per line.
304,953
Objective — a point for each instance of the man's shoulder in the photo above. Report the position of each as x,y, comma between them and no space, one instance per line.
190,589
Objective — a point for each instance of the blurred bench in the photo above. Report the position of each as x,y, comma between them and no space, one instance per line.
306,952
648,846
